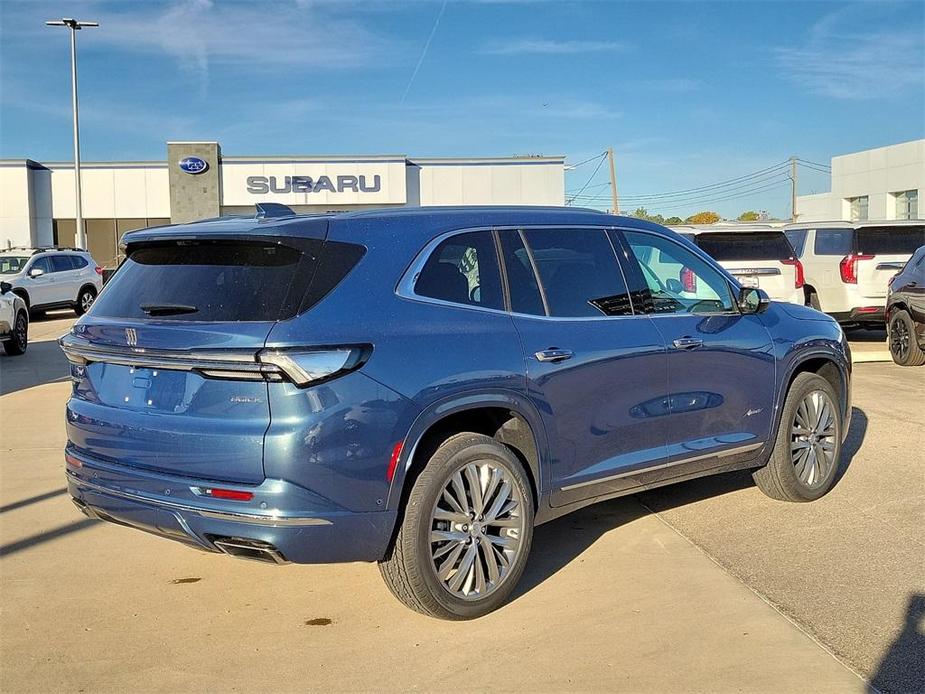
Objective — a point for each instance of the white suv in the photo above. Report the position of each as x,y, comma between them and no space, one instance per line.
14,321
49,278
757,255
848,265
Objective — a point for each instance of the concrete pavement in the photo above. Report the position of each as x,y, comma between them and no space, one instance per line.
614,597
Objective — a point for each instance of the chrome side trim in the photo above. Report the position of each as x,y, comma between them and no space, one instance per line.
753,271
235,516
897,265
653,468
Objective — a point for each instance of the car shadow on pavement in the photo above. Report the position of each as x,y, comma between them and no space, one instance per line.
902,668
42,363
562,541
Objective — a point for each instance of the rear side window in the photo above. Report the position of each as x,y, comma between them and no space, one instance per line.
61,263
463,269
579,273
79,262
797,239
832,242
521,280
210,281
746,246
890,240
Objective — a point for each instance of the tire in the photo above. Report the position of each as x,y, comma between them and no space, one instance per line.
85,300
803,466
472,561
904,347
19,340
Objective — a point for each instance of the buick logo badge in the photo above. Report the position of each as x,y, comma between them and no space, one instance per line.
194,165
131,337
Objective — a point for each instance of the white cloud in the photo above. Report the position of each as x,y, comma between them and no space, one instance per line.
846,57
251,36
524,46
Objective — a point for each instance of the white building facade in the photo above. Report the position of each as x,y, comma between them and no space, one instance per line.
37,204
879,184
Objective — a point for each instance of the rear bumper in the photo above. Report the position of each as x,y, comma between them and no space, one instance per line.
862,314
282,523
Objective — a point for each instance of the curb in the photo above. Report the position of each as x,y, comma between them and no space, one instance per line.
870,357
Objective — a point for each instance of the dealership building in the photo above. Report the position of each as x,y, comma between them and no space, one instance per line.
882,183
196,182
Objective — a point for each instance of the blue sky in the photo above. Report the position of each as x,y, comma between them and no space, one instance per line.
687,93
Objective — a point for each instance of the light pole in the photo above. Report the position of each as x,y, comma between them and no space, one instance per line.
75,25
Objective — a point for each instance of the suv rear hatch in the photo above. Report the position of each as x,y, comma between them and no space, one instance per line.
881,252
165,368
762,259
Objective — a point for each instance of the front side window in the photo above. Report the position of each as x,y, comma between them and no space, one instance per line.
463,269
43,264
832,242
907,204
579,273
859,207
679,281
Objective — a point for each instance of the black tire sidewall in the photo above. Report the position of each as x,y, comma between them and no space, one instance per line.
418,519
913,357
78,307
13,347
804,384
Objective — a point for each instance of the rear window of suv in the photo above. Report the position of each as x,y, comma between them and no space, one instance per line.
890,240
746,246
222,280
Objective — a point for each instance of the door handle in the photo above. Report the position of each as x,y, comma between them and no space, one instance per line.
553,354
687,343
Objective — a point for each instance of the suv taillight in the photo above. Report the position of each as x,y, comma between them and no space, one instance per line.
848,267
99,270
307,367
798,266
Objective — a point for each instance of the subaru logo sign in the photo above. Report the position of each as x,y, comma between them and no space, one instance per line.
194,165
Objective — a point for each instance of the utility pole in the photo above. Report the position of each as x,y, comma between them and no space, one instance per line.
75,25
613,182
793,189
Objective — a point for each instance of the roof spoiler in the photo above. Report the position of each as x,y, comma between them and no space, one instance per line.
273,209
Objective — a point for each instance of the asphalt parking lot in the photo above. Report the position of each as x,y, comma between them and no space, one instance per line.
705,586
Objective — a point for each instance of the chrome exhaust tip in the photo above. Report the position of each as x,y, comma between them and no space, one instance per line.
255,550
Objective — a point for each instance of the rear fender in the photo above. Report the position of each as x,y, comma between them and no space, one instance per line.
441,409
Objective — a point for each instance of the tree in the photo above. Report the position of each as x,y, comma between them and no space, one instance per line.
748,216
705,217
643,213
674,220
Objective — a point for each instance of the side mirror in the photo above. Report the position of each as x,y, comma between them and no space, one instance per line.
674,286
36,272
752,300
5,287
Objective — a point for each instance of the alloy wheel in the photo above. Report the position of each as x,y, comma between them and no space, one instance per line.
899,340
20,333
86,301
476,530
813,436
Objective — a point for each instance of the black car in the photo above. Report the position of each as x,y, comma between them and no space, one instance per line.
905,312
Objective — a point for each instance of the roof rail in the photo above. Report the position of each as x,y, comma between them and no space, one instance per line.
273,209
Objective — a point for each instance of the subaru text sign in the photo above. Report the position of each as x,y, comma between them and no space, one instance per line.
261,185
193,165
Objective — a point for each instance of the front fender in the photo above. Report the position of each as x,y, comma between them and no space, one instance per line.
460,402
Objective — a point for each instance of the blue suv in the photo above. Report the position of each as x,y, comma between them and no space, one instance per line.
421,387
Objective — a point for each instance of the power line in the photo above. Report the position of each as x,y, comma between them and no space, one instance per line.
814,168
707,201
581,163
779,176
824,166
590,178
719,184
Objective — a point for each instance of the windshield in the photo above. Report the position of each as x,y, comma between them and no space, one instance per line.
746,245
12,264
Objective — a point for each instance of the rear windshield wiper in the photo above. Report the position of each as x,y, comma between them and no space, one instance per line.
167,309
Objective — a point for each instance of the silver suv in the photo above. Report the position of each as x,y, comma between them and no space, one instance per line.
48,278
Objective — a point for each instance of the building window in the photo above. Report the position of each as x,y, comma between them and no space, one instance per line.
907,204
859,207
